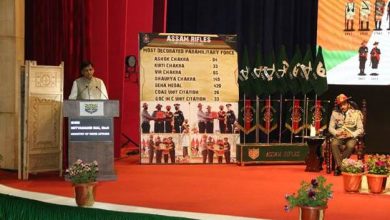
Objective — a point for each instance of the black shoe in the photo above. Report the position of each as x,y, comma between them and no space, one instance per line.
361,74
374,74
337,172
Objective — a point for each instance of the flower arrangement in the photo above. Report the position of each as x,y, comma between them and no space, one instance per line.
352,166
313,194
378,164
82,172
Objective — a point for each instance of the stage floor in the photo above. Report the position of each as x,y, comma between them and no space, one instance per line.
229,190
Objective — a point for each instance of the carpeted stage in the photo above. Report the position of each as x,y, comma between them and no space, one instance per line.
249,191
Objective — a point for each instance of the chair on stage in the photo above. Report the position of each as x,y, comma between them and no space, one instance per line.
360,144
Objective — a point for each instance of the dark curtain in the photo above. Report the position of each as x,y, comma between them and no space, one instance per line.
55,31
262,25
265,24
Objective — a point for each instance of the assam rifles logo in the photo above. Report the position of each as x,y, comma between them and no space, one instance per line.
91,108
254,153
146,39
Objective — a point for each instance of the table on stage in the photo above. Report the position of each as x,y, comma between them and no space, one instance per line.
314,158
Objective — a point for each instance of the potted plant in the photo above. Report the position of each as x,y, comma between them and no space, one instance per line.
377,172
352,171
83,177
311,198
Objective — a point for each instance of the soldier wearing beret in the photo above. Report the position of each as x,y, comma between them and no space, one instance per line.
159,117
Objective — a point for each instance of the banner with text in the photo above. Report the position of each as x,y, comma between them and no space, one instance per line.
189,82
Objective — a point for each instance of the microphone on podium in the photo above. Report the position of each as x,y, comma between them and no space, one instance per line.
86,87
101,92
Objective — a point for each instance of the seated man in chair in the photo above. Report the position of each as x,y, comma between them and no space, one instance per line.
345,126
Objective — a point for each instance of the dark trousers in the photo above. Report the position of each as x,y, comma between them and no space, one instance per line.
202,127
229,128
151,155
222,127
158,156
204,156
227,156
172,155
209,127
211,156
177,128
145,127
158,127
168,127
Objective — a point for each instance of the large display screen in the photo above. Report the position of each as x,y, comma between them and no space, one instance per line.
355,37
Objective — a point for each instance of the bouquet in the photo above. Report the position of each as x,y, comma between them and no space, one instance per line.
82,172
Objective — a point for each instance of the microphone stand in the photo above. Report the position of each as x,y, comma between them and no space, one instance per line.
101,92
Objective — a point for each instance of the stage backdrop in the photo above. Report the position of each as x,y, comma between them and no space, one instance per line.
189,95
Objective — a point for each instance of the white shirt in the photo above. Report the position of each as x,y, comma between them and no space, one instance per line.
84,88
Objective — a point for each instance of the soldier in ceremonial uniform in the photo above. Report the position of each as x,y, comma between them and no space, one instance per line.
219,150
346,124
159,117
364,14
158,147
349,15
227,148
151,148
379,10
230,119
210,149
171,147
87,86
203,147
209,121
222,119
363,51
178,118
168,122
165,149
375,57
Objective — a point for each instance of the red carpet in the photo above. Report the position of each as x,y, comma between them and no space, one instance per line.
251,191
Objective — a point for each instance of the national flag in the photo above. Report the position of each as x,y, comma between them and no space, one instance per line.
317,112
305,72
257,74
282,66
318,79
247,116
268,115
268,73
293,70
295,116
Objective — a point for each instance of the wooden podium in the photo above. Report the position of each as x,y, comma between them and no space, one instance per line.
91,133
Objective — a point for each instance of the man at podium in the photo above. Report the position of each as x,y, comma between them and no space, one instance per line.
88,86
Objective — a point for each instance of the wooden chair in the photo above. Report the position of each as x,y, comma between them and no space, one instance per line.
359,147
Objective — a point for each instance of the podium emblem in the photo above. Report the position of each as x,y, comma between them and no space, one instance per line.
91,108
254,153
